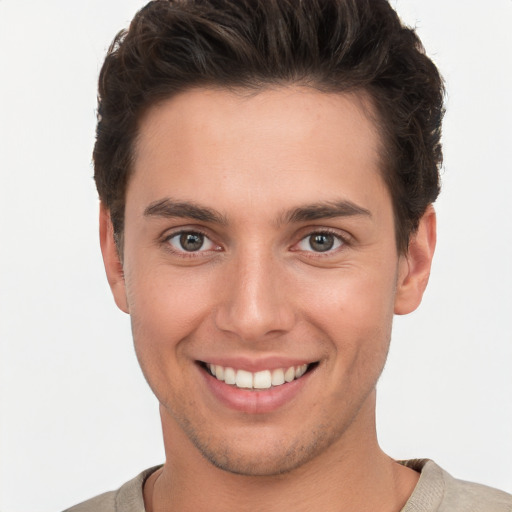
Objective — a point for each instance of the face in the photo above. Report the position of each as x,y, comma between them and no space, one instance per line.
260,272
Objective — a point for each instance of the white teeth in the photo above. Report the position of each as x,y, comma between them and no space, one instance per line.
289,374
243,379
262,380
278,377
229,376
259,380
299,371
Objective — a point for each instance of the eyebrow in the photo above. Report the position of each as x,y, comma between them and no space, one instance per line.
324,210
168,208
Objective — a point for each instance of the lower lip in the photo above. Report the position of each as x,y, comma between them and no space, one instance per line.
254,401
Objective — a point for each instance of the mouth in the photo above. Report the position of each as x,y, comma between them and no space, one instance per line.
261,380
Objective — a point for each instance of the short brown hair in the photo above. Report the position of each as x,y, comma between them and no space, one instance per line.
330,45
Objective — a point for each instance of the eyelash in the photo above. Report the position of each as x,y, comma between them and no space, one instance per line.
341,240
183,252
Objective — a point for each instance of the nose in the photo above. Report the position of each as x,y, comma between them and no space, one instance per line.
254,301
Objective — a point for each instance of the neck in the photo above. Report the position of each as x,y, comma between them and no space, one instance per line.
352,475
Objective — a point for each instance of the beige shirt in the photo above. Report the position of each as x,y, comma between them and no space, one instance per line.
436,491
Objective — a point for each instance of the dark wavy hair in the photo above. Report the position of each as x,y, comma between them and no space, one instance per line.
330,45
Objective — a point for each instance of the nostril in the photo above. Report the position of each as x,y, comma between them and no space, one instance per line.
253,322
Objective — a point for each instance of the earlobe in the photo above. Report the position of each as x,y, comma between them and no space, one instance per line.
111,260
415,266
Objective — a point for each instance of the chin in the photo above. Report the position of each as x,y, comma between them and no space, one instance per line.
261,464
257,456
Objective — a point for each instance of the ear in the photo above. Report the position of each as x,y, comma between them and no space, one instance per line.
414,267
111,260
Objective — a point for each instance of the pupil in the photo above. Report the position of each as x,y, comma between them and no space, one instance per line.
321,242
191,241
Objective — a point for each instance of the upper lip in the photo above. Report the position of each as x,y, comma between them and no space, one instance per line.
257,364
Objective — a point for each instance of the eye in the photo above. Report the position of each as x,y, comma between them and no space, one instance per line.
320,242
191,241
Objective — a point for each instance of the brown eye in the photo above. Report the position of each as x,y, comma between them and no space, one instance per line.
191,241
320,242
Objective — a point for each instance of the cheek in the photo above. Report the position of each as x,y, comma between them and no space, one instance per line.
165,313
166,301
165,310
355,312
355,298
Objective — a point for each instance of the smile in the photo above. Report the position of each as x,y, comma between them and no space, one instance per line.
264,379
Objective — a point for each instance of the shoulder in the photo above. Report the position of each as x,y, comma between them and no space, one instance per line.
474,497
128,498
438,491
103,503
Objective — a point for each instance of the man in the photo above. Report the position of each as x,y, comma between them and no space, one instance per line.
266,171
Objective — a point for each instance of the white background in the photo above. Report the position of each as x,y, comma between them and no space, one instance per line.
76,416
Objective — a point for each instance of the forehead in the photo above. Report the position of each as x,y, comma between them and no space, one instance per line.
272,146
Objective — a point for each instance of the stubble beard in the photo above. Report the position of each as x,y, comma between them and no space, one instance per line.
277,457
274,459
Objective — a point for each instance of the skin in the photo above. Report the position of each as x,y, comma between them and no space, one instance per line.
259,292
